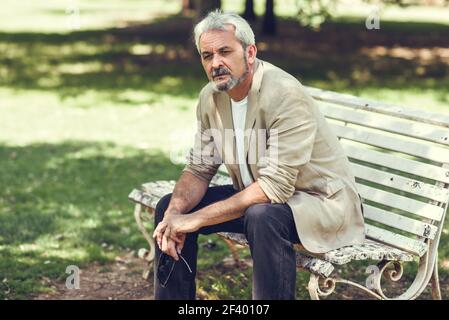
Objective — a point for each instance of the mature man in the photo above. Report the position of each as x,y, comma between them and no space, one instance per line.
291,180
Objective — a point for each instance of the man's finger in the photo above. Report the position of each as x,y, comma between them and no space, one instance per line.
159,243
166,233
156,230
160,233
159,240
165,239
164,244
159,226
172,249
181,244
155,233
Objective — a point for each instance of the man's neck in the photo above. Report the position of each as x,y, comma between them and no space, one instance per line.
241,91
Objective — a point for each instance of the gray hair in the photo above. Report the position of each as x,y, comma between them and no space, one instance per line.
217,20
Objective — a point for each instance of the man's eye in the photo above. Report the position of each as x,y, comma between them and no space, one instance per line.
207,57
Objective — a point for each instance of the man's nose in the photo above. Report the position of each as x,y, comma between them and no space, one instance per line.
216,61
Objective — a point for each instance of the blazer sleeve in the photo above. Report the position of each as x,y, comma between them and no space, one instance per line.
203,159
291,130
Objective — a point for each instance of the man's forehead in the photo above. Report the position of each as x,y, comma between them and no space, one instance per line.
216,39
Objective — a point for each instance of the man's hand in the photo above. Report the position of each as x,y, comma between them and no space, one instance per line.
170,233
172,248
188,192
172,226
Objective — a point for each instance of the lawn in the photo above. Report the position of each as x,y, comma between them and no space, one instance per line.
86,115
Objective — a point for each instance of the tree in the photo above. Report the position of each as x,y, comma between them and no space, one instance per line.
249,14
203,7
269,19
187,7
314,13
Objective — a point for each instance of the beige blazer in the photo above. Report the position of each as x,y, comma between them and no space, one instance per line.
290,150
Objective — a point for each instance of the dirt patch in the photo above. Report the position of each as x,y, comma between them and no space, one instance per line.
120,280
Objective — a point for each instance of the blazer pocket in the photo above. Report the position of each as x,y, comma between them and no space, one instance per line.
333,187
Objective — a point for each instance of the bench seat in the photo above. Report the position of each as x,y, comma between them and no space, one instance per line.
373,250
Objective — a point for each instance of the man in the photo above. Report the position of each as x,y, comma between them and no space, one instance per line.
291,180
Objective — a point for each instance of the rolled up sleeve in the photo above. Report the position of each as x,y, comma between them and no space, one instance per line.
291,137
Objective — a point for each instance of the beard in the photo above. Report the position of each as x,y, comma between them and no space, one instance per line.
232,81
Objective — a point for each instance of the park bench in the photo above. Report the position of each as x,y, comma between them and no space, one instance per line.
400,158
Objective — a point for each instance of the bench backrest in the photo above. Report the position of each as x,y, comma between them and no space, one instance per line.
400,158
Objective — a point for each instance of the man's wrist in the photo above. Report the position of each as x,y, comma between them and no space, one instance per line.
199,217
172,211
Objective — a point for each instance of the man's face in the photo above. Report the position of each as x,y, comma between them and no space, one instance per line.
223,58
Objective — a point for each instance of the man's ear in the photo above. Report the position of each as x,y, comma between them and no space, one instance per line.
251,52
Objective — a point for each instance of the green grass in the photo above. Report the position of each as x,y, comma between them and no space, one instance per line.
56,16
87,115
61,202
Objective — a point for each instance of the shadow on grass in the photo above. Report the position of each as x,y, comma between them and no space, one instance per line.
67,204
160,58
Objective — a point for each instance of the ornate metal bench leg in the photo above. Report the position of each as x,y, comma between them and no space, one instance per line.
313,287
148,256
233,249
436,292
327,288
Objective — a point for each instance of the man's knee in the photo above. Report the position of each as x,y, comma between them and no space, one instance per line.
161,207
263,216
257,214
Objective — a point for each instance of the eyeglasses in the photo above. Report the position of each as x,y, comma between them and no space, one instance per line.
165,267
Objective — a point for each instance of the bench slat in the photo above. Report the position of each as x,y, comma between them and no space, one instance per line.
369,250
386,123
397,163
303,260
400,222
433,153
419,208
314,265
396,240
401,183
423,116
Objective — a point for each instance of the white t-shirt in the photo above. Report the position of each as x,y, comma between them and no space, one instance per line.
238,118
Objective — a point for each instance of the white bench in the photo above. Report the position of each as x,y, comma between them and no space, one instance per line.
400,158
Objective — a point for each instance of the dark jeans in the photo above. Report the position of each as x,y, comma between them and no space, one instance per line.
271,232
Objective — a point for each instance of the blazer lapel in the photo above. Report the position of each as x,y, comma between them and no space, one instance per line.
223,106
253,103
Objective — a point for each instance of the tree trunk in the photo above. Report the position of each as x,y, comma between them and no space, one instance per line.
249,11
188,4
269,20
187,7
203,7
